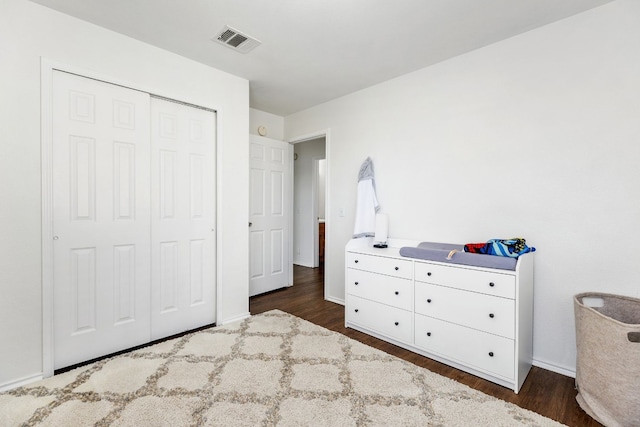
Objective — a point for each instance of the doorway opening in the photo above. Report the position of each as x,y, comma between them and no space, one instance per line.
310,203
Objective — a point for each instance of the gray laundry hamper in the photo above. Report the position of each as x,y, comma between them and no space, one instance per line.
608,357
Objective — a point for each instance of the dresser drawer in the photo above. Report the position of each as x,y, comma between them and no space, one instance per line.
479,350
388,290
486,282
389,321
479,311
378,264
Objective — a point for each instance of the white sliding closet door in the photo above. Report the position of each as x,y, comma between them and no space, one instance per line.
183,251
101,218
133,217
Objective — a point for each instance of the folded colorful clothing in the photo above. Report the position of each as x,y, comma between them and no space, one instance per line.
502,247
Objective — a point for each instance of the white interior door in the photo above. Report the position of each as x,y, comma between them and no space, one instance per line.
270,172
101,221
183,214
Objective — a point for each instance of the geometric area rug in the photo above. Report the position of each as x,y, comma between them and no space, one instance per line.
272,369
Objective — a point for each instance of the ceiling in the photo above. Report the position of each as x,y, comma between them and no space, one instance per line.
313,51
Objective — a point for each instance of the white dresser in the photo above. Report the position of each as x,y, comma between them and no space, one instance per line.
476,319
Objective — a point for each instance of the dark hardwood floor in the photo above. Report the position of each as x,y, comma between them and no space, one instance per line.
545,392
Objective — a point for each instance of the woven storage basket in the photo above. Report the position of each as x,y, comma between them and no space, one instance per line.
608,357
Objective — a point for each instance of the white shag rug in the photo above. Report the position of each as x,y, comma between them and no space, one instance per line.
272,369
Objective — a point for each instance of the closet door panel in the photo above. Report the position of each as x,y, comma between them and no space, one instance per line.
101,218
183,141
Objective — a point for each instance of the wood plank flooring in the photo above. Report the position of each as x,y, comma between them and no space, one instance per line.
545,392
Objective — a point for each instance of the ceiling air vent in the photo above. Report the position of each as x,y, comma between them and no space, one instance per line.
236,40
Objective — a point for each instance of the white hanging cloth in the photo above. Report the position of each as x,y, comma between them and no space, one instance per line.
367,202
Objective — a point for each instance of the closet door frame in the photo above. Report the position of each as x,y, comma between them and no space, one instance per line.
47,67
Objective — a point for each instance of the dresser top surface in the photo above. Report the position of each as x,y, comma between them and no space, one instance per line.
365,246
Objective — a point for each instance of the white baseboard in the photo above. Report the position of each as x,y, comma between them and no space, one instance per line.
235,318
304,264
20,382
335,300
554,368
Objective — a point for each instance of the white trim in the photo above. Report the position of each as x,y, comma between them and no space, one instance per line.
47,67
328,264
236,318
315,260
219,227
291,212
20,382
54,65
334,300
309,136
46,85
567,372
303,264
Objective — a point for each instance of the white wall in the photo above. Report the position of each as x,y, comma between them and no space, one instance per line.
274,124
536,136
305,218
29,32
